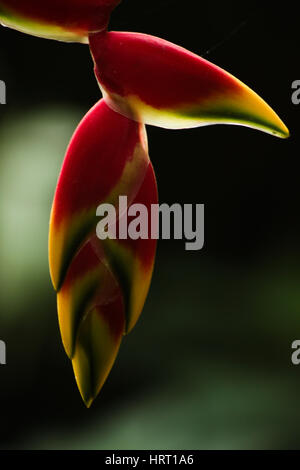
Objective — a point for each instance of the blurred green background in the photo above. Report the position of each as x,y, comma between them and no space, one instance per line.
209,364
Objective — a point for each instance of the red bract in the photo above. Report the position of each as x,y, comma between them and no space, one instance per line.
69,20
156,82
101,284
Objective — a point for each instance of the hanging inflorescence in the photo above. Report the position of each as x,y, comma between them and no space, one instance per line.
102,285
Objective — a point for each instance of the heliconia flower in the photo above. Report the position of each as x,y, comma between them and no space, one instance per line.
66,20
101,284
156,82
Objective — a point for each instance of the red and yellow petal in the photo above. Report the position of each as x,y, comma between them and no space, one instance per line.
91,319
88,283
107,157
101,284
156,82
66,20
95,352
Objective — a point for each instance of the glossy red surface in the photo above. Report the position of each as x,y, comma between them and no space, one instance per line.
160,73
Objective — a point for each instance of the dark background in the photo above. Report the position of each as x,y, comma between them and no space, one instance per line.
209,363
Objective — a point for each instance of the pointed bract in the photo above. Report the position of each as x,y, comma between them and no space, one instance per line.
101,284
91,318
156,82
107,157
65,20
